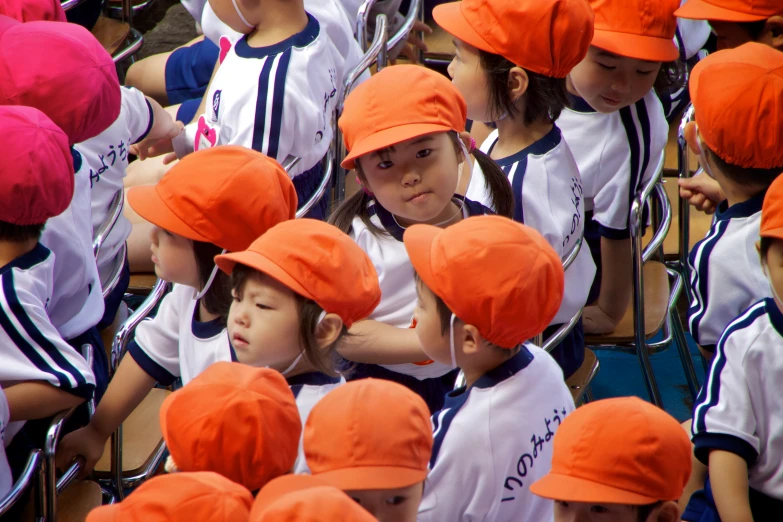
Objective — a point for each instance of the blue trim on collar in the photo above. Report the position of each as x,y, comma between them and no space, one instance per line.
312,379
740,210
208,329
506,370
301,39
77,159
38,254
579,104
540,147
775,315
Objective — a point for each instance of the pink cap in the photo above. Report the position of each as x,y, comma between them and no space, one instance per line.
36,168
62,70
33,10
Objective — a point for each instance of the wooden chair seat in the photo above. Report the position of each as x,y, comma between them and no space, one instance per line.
140,435
580,380
699,223
141,284
111,33
73,505
656,306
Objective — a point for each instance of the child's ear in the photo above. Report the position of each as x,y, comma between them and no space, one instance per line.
518,81
773,32
327,332
669,511
471,339
690,137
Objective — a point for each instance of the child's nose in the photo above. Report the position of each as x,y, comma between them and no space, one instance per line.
410,178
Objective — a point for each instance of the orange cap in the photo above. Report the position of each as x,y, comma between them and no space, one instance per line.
730,10
386,110
390,442
280,486
618,451
493,273
239,421
180,497
226,195
313,505
642,29
555,38
738,98
317,261
772,211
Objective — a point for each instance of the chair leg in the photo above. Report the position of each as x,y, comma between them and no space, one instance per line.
588,396
649,376
685,355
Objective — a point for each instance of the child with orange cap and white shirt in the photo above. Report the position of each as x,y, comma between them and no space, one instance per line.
410,155
236,420
296,291
617,460
736,422
384,464
517,81
181,497
486,286
617,131
199,210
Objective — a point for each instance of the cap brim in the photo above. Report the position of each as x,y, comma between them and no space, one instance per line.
647,48
775,233
574,489
418,242
373,477
453,21
389,137
256,261
700,10
290,484
147,203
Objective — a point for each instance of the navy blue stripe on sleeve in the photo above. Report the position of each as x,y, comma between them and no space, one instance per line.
149,122
706,442
278,100
153,369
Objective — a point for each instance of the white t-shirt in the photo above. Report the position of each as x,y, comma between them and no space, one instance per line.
32,349
726,275
495,439
6,481
106,159
396,278
195,7
547,197
173,344
77,300
308,389
278,100
616,153
738,408
692,33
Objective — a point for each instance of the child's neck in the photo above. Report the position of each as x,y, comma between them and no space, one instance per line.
282,21
204,316
11,250
514,135
482,363
734,192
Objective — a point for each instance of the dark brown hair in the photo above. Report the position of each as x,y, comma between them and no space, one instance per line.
754,29
545,97
217,300
323,360
759,179
495,180
670,77
19,233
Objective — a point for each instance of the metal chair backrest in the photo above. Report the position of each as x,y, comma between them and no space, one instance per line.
32,476
684,172
99,237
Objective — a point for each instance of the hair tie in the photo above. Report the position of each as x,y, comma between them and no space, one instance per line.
363,187
472,145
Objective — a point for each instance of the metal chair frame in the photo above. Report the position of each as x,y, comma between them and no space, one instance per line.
32,477
134,41
99,237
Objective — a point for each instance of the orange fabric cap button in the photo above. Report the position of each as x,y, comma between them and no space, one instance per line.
547,37
738,98
314,505
369,434
493,273
618,451
424,102
730,10
180,497
772,210
317,261
225,195
642,29
235,420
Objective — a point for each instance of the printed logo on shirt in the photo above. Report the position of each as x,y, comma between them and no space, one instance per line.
216,105
576,219
225,46
328,108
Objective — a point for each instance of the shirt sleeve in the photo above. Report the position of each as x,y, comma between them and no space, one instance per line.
723,416
138,113
6,482
156,346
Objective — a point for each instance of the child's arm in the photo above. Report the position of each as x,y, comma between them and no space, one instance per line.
373,342
38,400
729,480
702,192
163,129
616,287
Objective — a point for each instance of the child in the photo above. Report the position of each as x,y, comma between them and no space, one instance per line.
297,289
486,286
516,80
199,209
382,466
621,459
40,374
406,145
235,420
737,134
182,497
617,131
736,425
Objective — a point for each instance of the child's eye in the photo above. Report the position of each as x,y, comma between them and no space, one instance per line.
606,67
423,153
395,501
385,165
645,73
599,509
236,298
262,306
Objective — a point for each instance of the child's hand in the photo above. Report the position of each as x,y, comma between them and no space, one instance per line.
702,192
159,144
87,443
596,321
416,44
